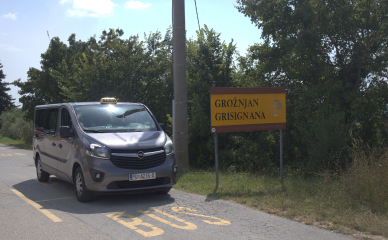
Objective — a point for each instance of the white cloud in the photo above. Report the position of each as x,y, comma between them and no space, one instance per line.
10,48
10,15
92,8
136,5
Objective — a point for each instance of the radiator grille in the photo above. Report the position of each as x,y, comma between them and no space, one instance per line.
136,163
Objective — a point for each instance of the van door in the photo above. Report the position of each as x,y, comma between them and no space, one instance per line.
65,147
50,141
39,134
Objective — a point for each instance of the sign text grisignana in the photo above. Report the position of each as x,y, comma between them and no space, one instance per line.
247,109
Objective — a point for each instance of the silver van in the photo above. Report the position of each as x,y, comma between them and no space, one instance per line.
103,147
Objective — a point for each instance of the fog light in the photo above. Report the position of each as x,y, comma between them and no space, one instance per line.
97,176
175,168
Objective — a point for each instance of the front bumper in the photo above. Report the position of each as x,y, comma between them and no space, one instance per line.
116,179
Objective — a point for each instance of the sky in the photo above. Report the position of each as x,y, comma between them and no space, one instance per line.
26,26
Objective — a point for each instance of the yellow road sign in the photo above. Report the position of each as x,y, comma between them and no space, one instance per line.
247,109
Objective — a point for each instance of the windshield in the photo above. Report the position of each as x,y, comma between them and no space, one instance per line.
114,118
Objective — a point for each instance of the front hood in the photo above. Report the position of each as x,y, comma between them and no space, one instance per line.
130,140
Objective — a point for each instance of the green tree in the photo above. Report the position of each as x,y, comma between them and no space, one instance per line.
41,86
128,69
6,101
332,58
208,59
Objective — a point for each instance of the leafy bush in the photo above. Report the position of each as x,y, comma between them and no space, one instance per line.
13,125
208,59
249,152
325,138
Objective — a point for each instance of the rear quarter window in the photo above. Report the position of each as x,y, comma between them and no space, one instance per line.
46,120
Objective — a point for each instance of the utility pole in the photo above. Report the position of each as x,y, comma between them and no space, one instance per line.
180,126
281,149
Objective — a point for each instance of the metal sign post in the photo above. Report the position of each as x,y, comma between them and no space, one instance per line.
216,150
281,149
281,155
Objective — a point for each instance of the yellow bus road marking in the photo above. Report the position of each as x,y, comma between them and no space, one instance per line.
155,231
221,221
20,154
7,155
189,226
37,206
54,199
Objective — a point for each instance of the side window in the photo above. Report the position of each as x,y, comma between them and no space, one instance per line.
46,120
40,119
52,120
65,118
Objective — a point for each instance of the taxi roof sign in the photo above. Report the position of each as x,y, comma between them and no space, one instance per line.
108,100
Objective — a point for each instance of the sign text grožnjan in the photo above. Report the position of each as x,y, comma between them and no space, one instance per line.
247,109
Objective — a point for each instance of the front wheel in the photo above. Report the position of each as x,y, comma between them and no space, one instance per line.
42,175
82,194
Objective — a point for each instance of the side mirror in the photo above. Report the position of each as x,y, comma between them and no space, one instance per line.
162,126
64,132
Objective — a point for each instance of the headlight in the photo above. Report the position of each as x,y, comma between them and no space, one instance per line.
169,146
96,150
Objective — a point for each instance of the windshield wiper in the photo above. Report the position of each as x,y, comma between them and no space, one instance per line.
93,131
129,112
135,130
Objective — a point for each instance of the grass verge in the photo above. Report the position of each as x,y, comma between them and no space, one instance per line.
318,201
15,143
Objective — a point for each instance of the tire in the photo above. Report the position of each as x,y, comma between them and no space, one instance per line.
164,191
42,175
82,194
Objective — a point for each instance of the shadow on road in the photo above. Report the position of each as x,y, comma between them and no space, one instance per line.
59,195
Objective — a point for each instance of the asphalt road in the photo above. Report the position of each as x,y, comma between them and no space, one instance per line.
32,210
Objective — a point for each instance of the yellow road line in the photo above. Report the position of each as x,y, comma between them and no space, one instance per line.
54,199
37,206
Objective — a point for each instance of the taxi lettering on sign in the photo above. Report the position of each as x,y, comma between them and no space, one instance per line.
108,100
247,109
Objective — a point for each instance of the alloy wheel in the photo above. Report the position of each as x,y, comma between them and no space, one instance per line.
78,184
39,169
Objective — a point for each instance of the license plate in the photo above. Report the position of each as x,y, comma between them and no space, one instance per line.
142,176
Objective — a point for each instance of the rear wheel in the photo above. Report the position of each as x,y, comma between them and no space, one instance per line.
82,194
42,175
